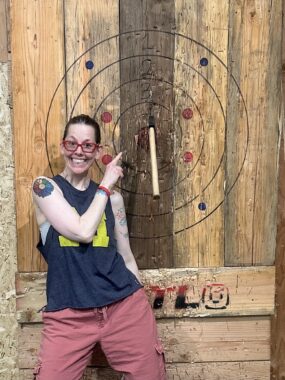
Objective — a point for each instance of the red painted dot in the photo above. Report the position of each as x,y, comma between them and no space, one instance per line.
106,159
187,113
106,117
188,157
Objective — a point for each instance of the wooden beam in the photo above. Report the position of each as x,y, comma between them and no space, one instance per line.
178,292
211,371
187,340
89,374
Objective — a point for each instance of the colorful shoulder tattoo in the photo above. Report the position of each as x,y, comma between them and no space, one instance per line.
43,187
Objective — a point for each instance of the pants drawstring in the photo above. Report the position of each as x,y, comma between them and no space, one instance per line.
103,311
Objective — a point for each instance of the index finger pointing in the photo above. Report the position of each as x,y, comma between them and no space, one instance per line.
117,158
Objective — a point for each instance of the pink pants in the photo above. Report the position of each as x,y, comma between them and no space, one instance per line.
126,331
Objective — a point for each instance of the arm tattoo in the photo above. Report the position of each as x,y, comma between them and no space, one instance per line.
101,192
121,215
42,187
125,235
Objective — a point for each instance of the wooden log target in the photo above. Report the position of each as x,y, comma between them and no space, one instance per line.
190,135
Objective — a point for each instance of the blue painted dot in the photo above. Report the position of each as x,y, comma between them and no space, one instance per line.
202,206
89,65
204,61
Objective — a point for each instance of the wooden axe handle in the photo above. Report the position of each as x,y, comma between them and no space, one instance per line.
153,159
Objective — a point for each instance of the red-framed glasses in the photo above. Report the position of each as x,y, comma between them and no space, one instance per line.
87,147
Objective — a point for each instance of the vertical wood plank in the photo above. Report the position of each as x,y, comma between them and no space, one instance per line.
278,326
147,87
202,29
37,67
255,47
91,29
4,23
265,221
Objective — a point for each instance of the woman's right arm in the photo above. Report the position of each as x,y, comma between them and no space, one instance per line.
64,218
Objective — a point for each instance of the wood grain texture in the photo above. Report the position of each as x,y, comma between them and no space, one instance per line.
4,28
146,72
188,340
89,374
178,293
248,222
91,30
258,370
278,326
202,29
37,43
254,62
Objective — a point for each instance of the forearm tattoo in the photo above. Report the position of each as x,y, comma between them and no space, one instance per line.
121,215
101,192
43,187
125,235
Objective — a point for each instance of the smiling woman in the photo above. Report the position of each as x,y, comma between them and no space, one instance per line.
80,144
92,274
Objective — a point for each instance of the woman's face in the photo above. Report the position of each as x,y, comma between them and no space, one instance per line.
79,161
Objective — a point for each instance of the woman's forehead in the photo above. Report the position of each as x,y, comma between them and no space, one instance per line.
81,131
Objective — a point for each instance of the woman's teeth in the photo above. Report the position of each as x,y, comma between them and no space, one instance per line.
78,160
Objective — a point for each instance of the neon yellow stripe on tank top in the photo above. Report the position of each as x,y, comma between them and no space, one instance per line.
101,239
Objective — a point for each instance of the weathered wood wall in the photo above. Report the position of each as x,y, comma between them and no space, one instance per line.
210,212
225,324
146,73
255,25
209,72
37,66
278,325
184,293
203,89
226,329
232,371
8,252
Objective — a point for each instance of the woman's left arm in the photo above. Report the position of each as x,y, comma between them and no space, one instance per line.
122,233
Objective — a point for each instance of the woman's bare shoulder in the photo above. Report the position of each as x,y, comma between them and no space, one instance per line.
43,186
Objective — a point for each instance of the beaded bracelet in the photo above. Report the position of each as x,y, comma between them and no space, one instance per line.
105,190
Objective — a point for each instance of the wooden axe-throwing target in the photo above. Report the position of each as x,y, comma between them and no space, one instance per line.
187,135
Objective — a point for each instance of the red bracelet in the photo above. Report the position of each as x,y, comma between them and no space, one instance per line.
106,191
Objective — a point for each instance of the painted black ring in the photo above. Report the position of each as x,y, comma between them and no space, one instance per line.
149,55
163,167
206,80
199,44
133,80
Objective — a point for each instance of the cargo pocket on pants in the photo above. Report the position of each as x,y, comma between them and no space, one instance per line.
160,351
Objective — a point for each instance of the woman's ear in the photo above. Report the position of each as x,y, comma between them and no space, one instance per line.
61,148
99,153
